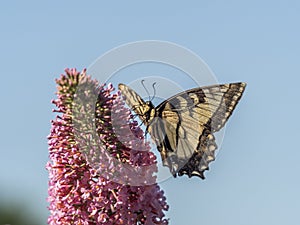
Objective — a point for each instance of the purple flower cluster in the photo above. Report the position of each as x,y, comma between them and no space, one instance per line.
100,169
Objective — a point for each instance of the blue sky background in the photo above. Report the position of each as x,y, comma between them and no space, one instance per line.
255,179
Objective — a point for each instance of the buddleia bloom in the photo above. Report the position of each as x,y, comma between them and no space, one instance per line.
101,170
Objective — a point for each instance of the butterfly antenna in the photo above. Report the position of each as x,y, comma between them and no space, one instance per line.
145,88
153,85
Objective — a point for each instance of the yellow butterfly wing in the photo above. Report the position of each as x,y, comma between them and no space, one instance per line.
184,126
135,102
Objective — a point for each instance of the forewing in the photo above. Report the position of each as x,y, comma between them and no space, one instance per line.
212,104
134,101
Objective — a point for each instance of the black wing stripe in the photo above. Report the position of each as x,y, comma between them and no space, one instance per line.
226,107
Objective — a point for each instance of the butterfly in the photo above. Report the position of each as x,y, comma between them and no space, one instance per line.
183,126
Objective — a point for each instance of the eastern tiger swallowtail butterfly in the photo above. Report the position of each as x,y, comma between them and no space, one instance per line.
183,126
